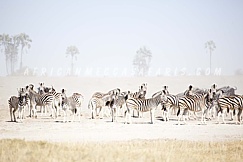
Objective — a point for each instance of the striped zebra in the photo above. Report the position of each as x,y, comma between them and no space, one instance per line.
231,103
58,100
41,100
144,105
195,103
73,104
22,103
13,107
142,90
117,103
171,104
100,103
17,103
111,92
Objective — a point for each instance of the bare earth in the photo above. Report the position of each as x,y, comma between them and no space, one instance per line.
54,130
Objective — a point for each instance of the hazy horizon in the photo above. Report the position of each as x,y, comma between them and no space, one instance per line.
108,34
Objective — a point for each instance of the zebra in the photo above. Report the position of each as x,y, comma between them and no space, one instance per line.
111,92
142,90
165,107
22,103
226,91
144,105
100,100
42,89
195,103
117,103
13,107
73,103
41,100
15,102
98,103
58,99
231,103
171,103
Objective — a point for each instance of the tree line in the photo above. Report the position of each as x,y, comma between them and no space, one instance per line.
11,47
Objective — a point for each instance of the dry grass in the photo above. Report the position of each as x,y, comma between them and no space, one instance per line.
139,150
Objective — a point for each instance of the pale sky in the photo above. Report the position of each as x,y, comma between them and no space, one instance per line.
108,33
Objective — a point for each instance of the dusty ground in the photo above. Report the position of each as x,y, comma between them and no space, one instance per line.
54,130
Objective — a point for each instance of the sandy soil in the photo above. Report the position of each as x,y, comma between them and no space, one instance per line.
54,130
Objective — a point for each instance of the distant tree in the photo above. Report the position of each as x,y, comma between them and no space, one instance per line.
4,43
210,46
24,41
239,72
9,46
13,52
73,52
141,61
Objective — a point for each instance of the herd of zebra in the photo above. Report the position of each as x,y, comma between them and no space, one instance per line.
209,103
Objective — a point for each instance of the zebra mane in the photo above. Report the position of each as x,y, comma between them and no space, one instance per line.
156,94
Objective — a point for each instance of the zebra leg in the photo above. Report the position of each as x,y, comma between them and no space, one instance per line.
14,114
239,115
152,115
179,114
64,116
41,108
223,117
11,113
19,113
35,112
203,121
101,113
22,113
20,110
92,113
236,116
73,113
112,114
219,113
128,115
231,115
45,109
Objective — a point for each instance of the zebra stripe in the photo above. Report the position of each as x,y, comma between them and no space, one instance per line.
117,104
172,103
196,103
98,103
231,103
73,103
41,100
111,92
13,107
58,100
143,105
21,105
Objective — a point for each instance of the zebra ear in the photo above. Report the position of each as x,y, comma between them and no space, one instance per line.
126,97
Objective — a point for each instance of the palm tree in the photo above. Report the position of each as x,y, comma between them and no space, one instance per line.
24,40
142,60
72,51
210,45
4,42
13,52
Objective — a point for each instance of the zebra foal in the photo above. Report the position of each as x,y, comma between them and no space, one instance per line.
73,104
